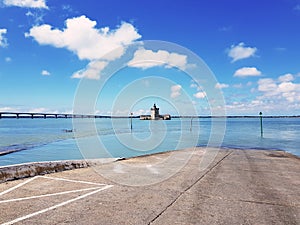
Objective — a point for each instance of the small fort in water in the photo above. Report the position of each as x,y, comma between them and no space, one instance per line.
155,115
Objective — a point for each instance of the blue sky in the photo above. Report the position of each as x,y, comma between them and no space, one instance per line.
48,47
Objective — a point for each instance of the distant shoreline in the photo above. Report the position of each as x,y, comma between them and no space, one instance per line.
137,117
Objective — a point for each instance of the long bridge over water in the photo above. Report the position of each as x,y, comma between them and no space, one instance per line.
46,115
70,115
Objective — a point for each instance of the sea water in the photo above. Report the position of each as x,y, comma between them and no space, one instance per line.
31,140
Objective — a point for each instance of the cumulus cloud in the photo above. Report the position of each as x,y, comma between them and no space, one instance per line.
200,94
280,89
27,3
280,95
8,59
85,40
175,91
220,86
240,51
3,40
45,73
92,71
147,58
268,86
247,72
286,78
98,45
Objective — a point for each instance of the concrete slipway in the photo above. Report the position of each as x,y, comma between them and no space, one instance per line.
238,187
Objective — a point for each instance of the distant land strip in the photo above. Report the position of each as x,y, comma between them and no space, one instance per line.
14,115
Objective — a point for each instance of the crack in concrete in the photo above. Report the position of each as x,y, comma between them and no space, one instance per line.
189,187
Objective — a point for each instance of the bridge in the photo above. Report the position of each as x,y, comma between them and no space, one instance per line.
46,115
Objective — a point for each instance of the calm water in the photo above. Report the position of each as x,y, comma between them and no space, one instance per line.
46,139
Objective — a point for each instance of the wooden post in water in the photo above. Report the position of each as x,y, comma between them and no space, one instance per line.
191,124
261,125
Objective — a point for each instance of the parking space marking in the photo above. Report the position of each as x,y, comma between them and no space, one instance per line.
74,181
48,195
17,186
94,190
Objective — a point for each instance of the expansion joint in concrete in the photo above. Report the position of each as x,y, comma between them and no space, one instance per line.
189,187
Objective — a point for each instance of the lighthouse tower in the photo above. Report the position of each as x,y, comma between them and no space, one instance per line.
154,112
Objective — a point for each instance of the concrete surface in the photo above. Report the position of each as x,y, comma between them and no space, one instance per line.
239,187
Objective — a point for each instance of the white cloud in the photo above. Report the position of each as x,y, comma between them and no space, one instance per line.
92,71
29,13
3,40
238,52
279,96
267,85
147,58
37,16
175,91
200,94
141,112
195,85
8,109
84,39
7,59
220,86
287,87
286,78
45,73
246,72
39,110
26,3
280,89
81,36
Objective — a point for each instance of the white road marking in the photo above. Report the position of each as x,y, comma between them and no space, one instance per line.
74,181
48,195
56,206
98,189
17,186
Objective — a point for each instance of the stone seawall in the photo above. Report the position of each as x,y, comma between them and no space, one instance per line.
20,171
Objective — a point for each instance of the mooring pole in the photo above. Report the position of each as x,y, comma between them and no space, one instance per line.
191,124
131,121
261,125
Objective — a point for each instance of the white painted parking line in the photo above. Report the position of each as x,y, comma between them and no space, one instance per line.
48,195
99,187
17,186
56,206
74,181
